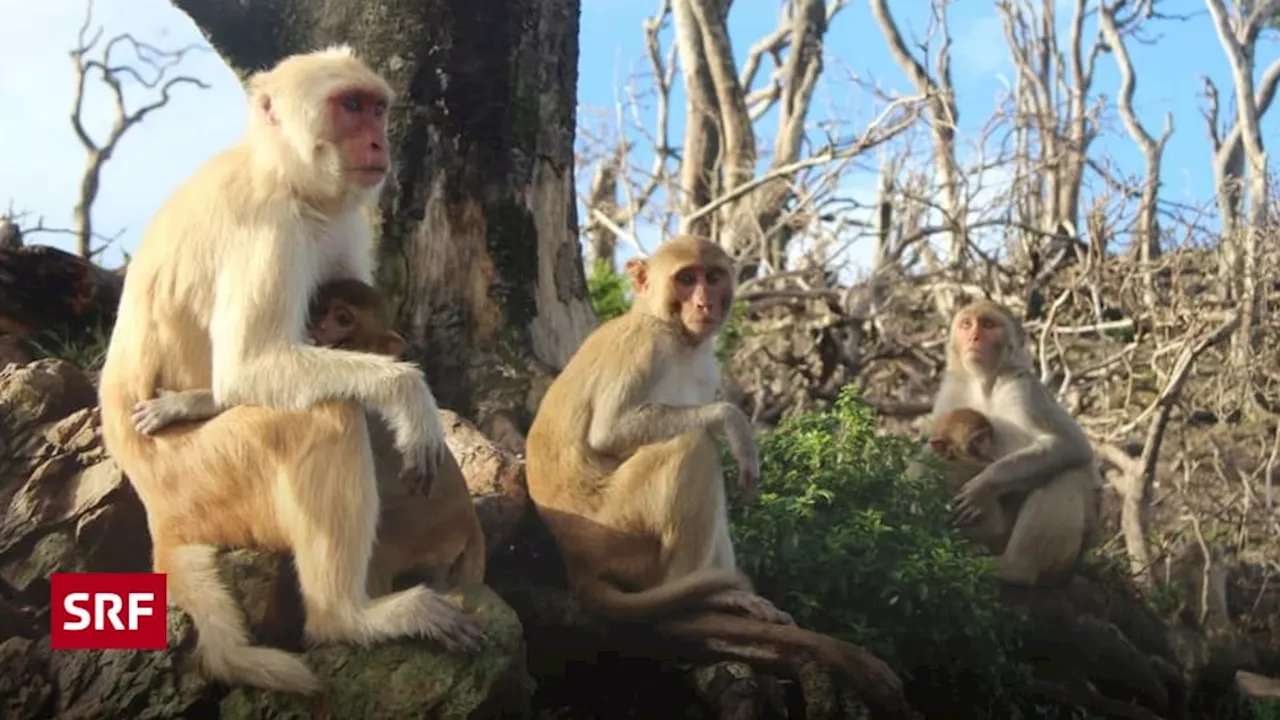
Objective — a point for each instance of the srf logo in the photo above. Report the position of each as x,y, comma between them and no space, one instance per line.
108,611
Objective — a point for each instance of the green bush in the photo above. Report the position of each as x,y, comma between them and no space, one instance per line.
609,291
840,538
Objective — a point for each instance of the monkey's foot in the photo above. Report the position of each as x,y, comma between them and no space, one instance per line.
751,605
437,619
416,612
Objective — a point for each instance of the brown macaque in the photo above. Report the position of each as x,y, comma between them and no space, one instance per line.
1039,449
965,440
351,314
623,468
216,297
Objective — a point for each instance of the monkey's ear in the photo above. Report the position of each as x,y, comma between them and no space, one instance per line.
264,102
393,344
257,90
638,270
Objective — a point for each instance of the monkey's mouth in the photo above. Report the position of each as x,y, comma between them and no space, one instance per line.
370,170
705,321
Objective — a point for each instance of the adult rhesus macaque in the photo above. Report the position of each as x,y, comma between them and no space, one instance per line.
216,297
965,440
1040,450
344,313
623,469
426,527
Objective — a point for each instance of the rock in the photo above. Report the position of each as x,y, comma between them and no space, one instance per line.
1093,647
24,692
495,478
409,678
68,508
13,352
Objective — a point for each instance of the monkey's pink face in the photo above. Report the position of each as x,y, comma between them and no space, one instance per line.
979,338
358,119
703,295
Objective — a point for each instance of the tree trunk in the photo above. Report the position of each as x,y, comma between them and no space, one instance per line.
479,249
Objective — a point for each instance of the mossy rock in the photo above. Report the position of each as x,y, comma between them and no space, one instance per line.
409,679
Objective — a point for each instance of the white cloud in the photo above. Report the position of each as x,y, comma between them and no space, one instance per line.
980,47
43,159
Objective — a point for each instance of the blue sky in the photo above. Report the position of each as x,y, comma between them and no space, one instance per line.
42,160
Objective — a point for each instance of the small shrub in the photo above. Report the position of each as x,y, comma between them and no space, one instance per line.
609,291
731,332
86,352
840,538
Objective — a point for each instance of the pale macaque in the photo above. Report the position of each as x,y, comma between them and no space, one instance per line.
623,469
1038,450
345,313
427,526
216,298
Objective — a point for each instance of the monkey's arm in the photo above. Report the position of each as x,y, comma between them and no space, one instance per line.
259,359
618,432
151,416
1057,444
623,419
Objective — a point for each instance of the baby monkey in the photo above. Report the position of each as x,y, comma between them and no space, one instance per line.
353,315
344,313
965,440
432,531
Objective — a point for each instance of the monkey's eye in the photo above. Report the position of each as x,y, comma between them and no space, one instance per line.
686,277
964,323
344,320
380,108
714,276
352,103
988,323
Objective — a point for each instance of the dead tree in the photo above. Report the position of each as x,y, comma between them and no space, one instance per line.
1228,170
710,179
1147,232
943,115
1052,89
114,74
1238,34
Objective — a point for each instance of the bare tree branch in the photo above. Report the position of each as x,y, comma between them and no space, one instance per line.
160,62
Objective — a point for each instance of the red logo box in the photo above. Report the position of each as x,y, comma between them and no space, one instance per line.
108,611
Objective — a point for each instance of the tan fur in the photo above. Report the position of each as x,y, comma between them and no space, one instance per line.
216,297
347,313
428,524
623,469
621,463
1039,449
427,529
963,439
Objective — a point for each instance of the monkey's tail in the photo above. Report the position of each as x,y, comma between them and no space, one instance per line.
223,645
600,596
877,684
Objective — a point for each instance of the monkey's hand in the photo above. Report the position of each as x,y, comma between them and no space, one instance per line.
415,420
152,416
742,443
972,497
